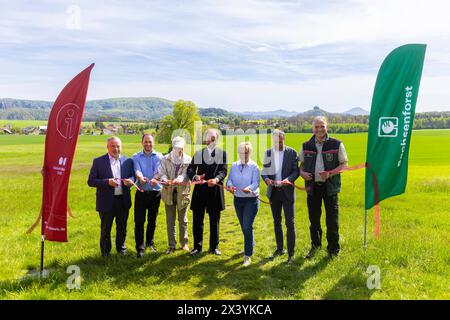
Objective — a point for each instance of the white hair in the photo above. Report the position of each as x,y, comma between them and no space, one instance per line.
245,146
114,138
278,132
320,118
213,131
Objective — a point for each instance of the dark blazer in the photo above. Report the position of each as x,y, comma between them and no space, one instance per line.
211,198
289,170
98,178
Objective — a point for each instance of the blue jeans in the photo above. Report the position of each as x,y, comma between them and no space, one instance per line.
246,210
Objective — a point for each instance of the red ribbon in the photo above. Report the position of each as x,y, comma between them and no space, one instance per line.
171,183
251,191
375,188
377,201
134,184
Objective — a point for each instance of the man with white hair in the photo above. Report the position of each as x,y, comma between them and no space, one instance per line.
280,170
209,165
321,158
112,175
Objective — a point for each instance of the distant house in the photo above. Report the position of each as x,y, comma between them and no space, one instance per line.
111,129
6,130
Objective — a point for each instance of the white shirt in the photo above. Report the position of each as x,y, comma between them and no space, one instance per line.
278,157
115,168
210,148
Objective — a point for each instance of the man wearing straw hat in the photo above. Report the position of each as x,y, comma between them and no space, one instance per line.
176,192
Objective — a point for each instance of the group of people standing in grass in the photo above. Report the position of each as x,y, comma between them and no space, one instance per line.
171,177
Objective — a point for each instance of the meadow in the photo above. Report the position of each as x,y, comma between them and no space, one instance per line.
412,251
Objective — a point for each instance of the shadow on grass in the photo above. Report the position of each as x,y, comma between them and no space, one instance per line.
352,286
208,275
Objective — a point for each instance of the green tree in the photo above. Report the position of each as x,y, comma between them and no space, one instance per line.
185,113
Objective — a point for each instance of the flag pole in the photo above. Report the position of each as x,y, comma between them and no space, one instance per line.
365,231
41,270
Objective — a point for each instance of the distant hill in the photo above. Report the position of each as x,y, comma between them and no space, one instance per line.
118,108
250,115
357,112
129,108
153,108
314,112
216,113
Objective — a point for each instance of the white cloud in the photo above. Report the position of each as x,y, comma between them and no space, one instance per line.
234,53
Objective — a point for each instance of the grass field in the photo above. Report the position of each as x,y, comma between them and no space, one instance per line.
412,251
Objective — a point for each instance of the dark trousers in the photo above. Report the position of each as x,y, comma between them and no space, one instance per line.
279,201
197,228
314,201
120,212
147,201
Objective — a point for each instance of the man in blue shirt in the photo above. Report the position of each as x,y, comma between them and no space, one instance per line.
146,164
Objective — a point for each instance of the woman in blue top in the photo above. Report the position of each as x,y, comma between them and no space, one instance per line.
243,182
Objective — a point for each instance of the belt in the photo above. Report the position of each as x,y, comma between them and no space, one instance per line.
319,183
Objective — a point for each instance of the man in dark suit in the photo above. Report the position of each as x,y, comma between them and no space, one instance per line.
209,164
112,175
280,170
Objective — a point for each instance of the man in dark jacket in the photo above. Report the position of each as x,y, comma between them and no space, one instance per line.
279,172
321,159
112,175
209,165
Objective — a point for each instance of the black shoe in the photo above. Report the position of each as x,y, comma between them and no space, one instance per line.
216,252
311,253
290,260
195,252
105,254
277,253
140,254
333,254
123,252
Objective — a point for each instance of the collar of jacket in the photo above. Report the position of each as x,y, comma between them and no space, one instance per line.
185,159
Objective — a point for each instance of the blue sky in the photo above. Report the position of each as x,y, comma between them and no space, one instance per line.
239,55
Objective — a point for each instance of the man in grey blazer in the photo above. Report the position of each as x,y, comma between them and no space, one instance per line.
280,170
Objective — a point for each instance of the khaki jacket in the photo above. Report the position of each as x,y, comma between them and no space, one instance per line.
167,172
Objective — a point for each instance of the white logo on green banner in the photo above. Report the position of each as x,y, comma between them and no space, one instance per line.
388,127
